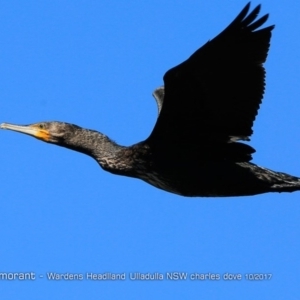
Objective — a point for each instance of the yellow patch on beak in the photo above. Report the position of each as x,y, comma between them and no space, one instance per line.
42,134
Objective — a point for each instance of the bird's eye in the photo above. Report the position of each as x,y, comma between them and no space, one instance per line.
41,126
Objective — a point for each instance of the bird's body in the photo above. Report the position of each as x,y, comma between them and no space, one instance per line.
193,176
208,103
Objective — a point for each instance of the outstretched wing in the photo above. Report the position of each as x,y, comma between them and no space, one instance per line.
213,97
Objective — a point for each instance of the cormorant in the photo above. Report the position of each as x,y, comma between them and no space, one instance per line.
207,105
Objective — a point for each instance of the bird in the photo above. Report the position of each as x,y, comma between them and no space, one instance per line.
206,110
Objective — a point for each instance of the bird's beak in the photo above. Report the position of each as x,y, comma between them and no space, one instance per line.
33,130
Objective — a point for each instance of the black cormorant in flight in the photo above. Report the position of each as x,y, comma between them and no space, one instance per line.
207,105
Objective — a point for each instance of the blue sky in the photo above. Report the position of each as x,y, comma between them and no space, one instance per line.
95,64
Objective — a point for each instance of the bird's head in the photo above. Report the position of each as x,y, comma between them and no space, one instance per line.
50,132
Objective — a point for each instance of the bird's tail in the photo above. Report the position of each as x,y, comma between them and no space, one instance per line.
281,182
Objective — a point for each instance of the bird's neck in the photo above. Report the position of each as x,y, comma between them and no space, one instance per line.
97,145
